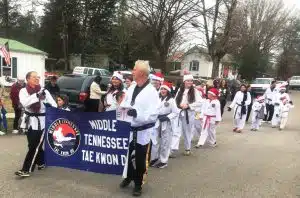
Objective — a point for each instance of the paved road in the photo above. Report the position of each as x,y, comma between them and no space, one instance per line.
248,165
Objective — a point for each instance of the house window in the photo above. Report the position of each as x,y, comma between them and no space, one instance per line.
194,65
177,65
5,69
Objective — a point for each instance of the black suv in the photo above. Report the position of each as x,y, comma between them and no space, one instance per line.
77,88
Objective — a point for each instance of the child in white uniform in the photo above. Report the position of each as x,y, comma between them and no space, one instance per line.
168,111
210,117
258,108
284,109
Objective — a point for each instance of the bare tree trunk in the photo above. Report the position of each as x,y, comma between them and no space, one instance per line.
84,30
6,19
216,66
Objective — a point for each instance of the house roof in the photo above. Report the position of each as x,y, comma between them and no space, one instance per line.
199,50
20,47
176,57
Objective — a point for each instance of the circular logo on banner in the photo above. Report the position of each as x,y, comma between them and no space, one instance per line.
63,137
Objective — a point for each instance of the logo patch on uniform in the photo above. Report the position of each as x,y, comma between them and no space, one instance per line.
167,104
64,137
213,105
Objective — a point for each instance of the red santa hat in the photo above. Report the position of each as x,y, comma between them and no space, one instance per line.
214,92
157,76
166,86
188,77
282,87
260,98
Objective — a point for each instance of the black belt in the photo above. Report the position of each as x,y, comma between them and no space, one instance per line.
140,128
36,115
186,116
242,106
162,116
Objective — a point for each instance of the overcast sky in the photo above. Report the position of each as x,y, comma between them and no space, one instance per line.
192,36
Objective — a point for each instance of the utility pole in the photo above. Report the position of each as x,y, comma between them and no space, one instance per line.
65,40
6,19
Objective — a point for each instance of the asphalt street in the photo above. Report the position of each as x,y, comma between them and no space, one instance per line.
248,165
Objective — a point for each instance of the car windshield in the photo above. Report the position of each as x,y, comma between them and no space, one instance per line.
261,81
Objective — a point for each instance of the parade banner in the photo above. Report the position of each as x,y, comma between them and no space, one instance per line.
95,142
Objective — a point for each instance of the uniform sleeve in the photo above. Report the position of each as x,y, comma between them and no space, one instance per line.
150,114
26,100
49,99
198,101
203,107
248,101
218,111
175,110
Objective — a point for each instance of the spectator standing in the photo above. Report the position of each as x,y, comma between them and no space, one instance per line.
52,87
223,90
3,120
63,102
95,95
128,81
14,96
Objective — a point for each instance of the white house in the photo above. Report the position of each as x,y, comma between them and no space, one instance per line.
24,58
197,62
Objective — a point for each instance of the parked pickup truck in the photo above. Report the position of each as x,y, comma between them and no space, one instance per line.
77,88
259,85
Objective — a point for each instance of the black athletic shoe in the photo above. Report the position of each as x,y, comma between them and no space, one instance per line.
125,183
153,162
137,191
41,167
18,173
21,173
161,165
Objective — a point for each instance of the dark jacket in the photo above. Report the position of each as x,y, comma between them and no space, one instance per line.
54,90
14,94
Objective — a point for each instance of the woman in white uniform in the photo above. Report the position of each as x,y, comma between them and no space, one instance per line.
110,102
240,103
188,99
168,111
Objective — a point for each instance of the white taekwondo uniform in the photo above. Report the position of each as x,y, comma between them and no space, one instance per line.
197,125
161,150
186,120
34,124
210,114
277,100
258,110
284,110
239,118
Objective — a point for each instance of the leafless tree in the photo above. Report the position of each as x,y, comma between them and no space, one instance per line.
216,28
261,22
164,19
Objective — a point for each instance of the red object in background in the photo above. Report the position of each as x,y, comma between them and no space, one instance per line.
225,72
83,96
49,74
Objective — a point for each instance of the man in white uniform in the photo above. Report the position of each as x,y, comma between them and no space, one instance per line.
142,101
269,98
34,99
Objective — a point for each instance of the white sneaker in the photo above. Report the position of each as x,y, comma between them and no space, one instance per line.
15,132
2,133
